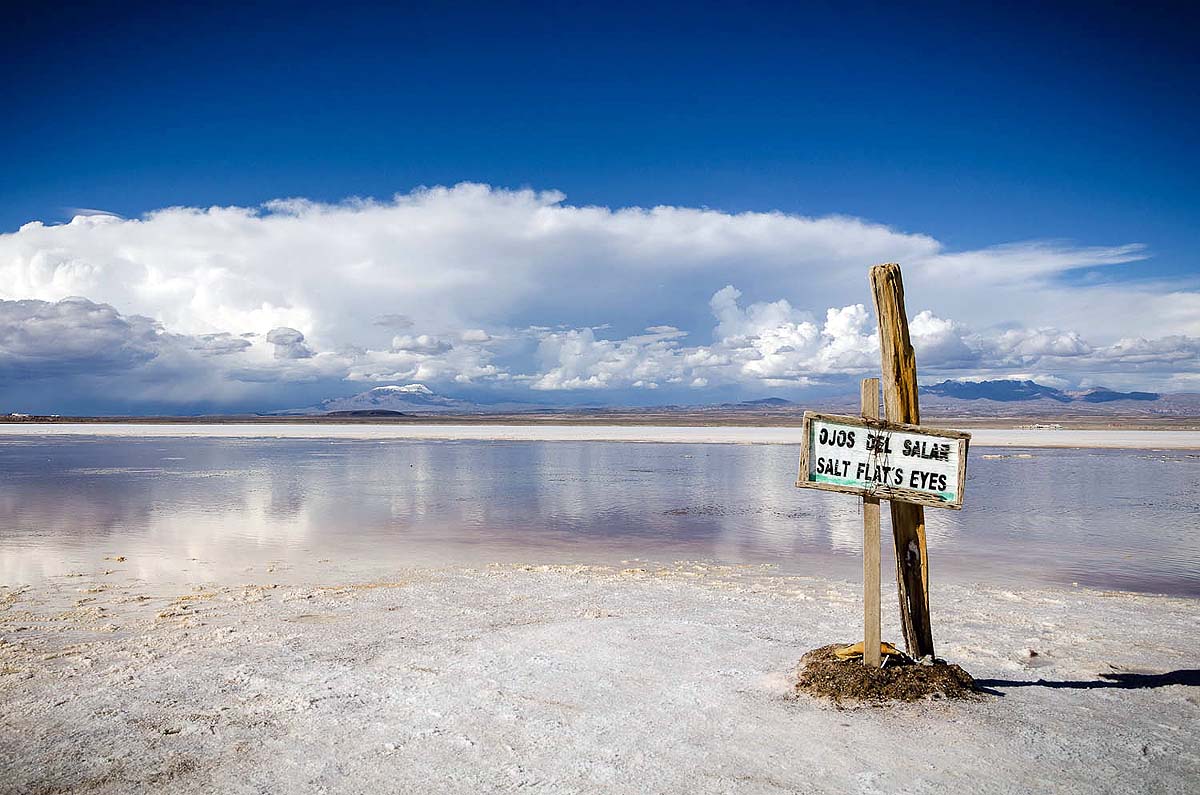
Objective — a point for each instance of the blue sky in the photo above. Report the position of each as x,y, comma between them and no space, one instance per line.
1068,129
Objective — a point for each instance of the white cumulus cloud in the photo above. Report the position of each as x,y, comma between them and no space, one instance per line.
473,285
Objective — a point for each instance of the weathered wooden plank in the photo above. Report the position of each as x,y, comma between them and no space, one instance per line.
871,631
868,422
901,405
805,446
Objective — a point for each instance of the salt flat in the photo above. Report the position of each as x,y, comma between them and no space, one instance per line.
983,437
576,679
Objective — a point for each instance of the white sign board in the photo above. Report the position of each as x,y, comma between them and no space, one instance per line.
886,460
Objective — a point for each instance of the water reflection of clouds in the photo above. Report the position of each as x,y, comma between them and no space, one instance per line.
230,504
64,504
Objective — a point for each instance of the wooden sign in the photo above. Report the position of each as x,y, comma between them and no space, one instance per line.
883,460
898,460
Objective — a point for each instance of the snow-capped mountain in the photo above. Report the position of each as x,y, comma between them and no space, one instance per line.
409,399
1004,391
1023,391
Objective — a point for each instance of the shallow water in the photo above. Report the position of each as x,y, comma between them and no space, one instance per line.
249,510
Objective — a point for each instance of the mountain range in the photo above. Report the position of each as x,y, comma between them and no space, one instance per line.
407,399
998,398
1008,391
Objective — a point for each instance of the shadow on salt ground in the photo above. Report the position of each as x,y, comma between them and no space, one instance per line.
1188,676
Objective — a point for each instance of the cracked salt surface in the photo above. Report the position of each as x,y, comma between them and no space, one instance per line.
673,679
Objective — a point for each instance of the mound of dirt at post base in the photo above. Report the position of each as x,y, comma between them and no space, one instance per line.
823,675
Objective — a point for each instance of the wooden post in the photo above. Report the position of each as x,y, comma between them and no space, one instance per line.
871,656
901,405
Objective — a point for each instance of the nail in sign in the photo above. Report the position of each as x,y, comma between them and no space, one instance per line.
887,460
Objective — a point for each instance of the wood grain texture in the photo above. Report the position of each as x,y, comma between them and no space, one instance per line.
871,632
887,425
901,405
805,446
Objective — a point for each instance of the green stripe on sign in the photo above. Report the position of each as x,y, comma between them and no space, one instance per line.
947,496
839,481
